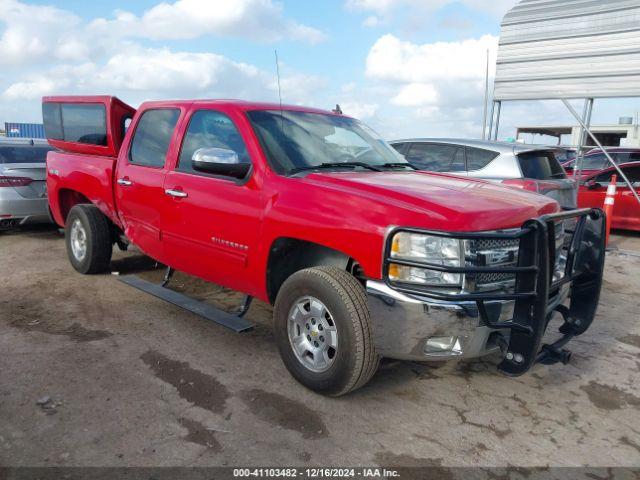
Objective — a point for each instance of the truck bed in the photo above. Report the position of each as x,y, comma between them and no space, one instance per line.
70,175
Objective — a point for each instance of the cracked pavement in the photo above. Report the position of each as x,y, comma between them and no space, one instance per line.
136,381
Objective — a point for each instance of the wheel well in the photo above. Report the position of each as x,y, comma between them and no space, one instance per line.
289,255
69,199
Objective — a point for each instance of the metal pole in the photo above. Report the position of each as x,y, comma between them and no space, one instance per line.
493,104
593,137
586,118
495,134
486,98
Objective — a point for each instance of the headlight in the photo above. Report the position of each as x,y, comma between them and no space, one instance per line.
441,251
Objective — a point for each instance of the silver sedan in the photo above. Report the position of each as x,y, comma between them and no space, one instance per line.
23,187
530,167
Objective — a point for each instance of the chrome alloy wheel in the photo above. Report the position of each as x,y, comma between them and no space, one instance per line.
312,334
78,240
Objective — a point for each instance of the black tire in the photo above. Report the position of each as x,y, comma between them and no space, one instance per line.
355,359
99,245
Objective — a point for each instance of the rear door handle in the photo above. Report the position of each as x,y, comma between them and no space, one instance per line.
176,193
124,182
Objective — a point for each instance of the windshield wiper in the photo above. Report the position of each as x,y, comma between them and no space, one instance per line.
327,165
398,164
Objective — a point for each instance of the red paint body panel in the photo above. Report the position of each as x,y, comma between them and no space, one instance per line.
626,211
223,231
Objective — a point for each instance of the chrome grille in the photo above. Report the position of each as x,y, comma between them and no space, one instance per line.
504,253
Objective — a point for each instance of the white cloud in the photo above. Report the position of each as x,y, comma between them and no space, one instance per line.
416,94
358,110
401,61
185,19
35,32
389,7
371,21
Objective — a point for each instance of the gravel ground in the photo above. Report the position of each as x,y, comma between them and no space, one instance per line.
93,372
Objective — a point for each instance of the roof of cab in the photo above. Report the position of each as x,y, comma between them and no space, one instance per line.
239,104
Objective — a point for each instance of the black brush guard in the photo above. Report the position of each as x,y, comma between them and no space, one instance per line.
534,285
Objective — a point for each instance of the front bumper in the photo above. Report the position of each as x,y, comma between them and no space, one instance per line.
408,320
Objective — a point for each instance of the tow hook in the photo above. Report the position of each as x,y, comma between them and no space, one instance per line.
550,355
554,353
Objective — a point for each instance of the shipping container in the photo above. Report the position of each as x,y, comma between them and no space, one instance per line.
24,130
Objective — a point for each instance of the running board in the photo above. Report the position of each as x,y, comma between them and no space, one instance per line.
234,322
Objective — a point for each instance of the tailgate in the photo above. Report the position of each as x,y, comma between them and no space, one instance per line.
560,190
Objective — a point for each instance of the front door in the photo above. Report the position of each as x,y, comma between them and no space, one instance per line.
140,179
211,223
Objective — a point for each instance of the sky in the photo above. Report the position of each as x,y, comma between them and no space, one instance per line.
406,67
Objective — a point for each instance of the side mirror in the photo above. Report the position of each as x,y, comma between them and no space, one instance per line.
592,184
219,161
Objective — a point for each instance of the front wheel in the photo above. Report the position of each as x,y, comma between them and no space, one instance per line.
323,330
88,239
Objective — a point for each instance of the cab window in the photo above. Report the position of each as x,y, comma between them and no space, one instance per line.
208,128
152,137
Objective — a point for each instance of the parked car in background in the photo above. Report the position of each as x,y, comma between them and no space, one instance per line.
564,155
626,211
23,187
595,160
529,167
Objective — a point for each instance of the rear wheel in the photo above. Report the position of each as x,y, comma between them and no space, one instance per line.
323,330
88,239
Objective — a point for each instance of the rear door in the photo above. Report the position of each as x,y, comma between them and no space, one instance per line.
140,178
437,157
211,227
626,210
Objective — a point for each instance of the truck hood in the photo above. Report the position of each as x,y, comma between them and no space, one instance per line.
464,204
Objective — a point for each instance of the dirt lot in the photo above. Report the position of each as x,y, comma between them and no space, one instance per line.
132,380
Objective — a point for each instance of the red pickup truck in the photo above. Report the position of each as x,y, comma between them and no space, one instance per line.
311,211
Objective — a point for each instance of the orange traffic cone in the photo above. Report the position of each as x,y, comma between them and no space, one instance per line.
609,200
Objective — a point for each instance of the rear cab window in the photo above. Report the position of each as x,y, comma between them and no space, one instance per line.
76,122
540,165
152,137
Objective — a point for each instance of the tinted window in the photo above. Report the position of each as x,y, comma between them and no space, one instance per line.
76,122
634,157
541,165
84,123
633,174
478,158
436,158
152,137
52,121
23,154
210,129
594,162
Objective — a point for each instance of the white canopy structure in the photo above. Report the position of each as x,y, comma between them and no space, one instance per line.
568,49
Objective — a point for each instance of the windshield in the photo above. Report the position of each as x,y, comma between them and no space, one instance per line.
296,141
23,154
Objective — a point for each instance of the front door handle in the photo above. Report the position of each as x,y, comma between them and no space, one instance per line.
124,182
176,193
